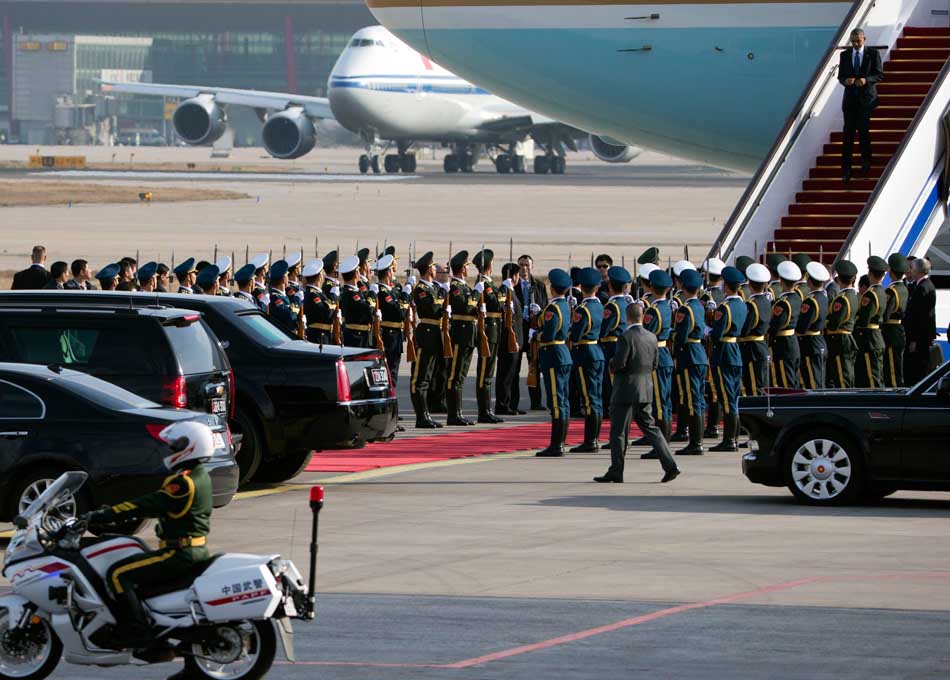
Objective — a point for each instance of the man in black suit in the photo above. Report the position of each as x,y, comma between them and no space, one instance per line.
58,275
920,321
859,70
633,365
533,298
35,276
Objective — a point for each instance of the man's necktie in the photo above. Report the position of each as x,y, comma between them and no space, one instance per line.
857,62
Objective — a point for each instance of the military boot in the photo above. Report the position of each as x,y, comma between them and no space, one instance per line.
453,402
695,445
712,420
423,419
730,431
682,422
485,412
556,448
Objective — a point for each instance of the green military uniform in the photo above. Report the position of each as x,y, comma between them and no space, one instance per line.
463,330
812,318
786,356
428,300
494,299
838,334
892,330
870,343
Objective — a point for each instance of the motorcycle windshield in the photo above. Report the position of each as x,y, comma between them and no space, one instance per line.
66,484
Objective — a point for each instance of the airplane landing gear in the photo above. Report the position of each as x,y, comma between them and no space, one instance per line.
462,159
402,162
368,163
554,164
450,163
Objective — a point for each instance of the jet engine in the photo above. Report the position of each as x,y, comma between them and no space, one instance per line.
289,134
611,151
200,120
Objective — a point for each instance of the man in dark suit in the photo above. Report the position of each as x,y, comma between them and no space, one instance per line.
859,70
35,276
507,373
632,366
58,275
920,321
533,298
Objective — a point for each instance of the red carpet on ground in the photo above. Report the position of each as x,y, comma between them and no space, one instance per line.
462,443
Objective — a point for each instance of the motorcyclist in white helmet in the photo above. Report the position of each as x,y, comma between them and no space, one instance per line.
182,507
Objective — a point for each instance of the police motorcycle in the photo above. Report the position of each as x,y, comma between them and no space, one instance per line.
224,619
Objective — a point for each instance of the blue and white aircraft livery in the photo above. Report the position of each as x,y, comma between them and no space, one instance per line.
385,91
711,80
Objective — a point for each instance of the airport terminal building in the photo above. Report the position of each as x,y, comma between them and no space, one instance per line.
244,44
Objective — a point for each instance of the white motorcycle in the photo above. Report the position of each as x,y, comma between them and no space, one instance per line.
224,619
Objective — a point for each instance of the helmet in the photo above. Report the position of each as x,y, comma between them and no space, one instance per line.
190,442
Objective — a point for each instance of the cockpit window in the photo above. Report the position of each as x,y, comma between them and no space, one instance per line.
364,42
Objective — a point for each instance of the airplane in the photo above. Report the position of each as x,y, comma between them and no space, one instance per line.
382,89
711,81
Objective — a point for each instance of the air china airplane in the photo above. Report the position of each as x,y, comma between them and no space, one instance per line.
385,91
711,80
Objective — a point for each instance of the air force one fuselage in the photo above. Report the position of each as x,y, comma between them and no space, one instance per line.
712,81
385,91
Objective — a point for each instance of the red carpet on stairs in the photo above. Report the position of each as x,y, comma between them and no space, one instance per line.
462,443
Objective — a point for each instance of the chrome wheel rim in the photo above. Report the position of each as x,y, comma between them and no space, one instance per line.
62,510
821,469
19,657
232,655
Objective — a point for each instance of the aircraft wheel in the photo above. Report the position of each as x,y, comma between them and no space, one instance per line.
364,164
407,162
503,163
375,165
558,165
518,165
391,163
541,165
450,163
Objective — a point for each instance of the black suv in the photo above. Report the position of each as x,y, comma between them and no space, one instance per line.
291,397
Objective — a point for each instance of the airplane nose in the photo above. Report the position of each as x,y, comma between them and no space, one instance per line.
348,103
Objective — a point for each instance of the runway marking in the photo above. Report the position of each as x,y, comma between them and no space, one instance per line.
634,621
380,472
216,176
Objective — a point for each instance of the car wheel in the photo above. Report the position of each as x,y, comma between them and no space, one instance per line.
824,468
283,468
252,446
35,482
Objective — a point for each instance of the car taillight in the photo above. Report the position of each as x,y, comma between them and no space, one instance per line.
231,392
174,392
342,382
154,429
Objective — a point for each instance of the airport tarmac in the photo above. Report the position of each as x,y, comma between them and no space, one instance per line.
597,207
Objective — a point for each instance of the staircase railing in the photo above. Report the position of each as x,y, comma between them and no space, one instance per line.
823,79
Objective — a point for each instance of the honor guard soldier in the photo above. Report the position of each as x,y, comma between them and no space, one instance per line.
802,260
355,306
786,357
614,322
643,273
463,329
649,256
679,392
428,302
294,288
493,300
146,277
554,363
207,280
244,278
363,269
658,319
259,284
331,283
712,298
280,308
753,345
588,358
691,361
317,309
726,359
772,261
185,275
392,314
108,277
892,330
812,319
838,330
869,365
224,276
742,264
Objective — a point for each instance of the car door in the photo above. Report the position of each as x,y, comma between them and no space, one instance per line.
924,437
21,414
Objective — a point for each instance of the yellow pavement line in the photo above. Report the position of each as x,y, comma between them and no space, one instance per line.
379,472
6,534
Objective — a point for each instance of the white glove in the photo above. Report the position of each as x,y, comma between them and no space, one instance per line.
375,288
629,299
379,314
448,312
531,333
266,298
711,306
508,284
534,308
335,291
407,289
299,295
573,301
480,287
411,281
483,308
339,315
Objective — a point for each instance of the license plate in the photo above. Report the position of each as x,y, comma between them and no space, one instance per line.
218,440
219,407
380,376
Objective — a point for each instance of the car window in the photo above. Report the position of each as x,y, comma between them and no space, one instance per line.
103,393
262,329
196,348
19,403
129,350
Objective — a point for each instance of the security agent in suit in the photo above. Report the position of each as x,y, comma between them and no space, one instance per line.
532,296
508,361
786,355
185,274
392,311
280,309
753,346
554,361
493,300
869,364
588,358
840,327
920,323
35,276
428,301
691,360
463,329
859,71
892,325
712,297
614,322
810,329
357,309
317,308
633,365
725,357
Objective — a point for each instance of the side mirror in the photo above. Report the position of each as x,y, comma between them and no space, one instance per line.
943,388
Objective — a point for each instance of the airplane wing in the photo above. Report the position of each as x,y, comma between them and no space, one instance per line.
315,107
